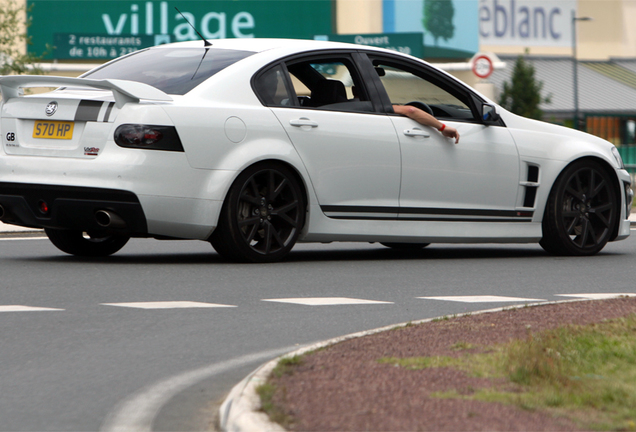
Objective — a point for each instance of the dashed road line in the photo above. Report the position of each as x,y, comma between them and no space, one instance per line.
326,301
169,305
320,301
483,299
599,296
3,238
21,308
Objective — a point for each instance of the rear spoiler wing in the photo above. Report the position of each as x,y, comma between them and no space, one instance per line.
124,91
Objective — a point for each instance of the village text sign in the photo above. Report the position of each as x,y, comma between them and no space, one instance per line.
99,28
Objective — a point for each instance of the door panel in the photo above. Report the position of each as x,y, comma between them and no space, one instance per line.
476,179
481,172
351,153
353,159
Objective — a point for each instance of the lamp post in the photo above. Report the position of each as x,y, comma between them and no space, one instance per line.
575,64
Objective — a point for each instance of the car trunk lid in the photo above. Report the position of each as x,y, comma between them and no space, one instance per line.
74,122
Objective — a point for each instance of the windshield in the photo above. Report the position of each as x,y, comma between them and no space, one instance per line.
174,71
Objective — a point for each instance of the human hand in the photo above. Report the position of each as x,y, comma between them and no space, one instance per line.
450,132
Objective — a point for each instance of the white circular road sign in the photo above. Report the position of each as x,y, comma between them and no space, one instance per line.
482,66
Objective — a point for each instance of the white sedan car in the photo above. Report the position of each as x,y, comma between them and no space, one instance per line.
254,145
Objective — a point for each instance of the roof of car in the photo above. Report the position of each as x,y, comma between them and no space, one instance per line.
260,45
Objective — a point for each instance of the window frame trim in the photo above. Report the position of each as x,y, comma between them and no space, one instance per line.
352,56
286,82
438,79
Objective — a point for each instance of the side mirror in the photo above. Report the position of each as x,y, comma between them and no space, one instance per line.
489,114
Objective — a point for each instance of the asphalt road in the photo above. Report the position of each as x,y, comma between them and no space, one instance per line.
93,360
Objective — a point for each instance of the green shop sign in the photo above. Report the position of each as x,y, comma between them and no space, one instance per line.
103,29
408,43
97,47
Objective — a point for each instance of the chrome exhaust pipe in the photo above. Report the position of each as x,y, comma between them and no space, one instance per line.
108,219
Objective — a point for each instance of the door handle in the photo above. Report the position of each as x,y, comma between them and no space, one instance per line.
416,133
303,121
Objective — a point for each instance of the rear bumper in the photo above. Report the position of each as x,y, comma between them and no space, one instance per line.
70,207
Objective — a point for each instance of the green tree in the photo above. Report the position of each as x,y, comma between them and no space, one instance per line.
13,40
438,19
523,94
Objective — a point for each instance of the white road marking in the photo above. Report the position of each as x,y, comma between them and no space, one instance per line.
169,305
137,413
23,238
325,301
20,308
598,296
322,301
483,299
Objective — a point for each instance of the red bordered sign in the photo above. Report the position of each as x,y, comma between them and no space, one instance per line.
482,66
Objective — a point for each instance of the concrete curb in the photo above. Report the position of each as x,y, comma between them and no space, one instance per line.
240,411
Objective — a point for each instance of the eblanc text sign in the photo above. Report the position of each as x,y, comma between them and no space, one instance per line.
526,22
125,24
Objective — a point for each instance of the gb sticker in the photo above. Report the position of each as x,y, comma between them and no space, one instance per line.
11,139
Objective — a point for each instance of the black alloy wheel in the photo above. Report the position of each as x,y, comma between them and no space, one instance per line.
91,244
262,215
581,211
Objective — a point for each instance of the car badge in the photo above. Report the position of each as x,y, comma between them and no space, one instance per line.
51,108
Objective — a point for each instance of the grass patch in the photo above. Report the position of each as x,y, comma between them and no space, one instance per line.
587,373
286,366
267,390
423,362
276,414
461,346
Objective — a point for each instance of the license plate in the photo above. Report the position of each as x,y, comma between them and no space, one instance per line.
53,129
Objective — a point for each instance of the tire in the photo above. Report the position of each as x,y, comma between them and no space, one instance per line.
262,215
405,246
581,212
86,244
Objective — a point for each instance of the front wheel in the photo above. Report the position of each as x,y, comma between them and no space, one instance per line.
262,215
83,244
581,211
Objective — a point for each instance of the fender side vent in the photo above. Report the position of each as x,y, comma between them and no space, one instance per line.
531,194
531,186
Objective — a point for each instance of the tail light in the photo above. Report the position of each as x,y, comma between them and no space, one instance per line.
148,137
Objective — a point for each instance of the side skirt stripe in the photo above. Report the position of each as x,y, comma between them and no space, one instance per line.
426,214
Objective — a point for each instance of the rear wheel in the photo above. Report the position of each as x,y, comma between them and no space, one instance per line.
262,215
581,211
86,244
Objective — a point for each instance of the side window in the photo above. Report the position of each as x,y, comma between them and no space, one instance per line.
271,89
329,84
404,86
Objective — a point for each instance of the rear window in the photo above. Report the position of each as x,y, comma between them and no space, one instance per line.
174,71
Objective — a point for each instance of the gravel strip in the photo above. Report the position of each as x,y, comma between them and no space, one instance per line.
344,388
